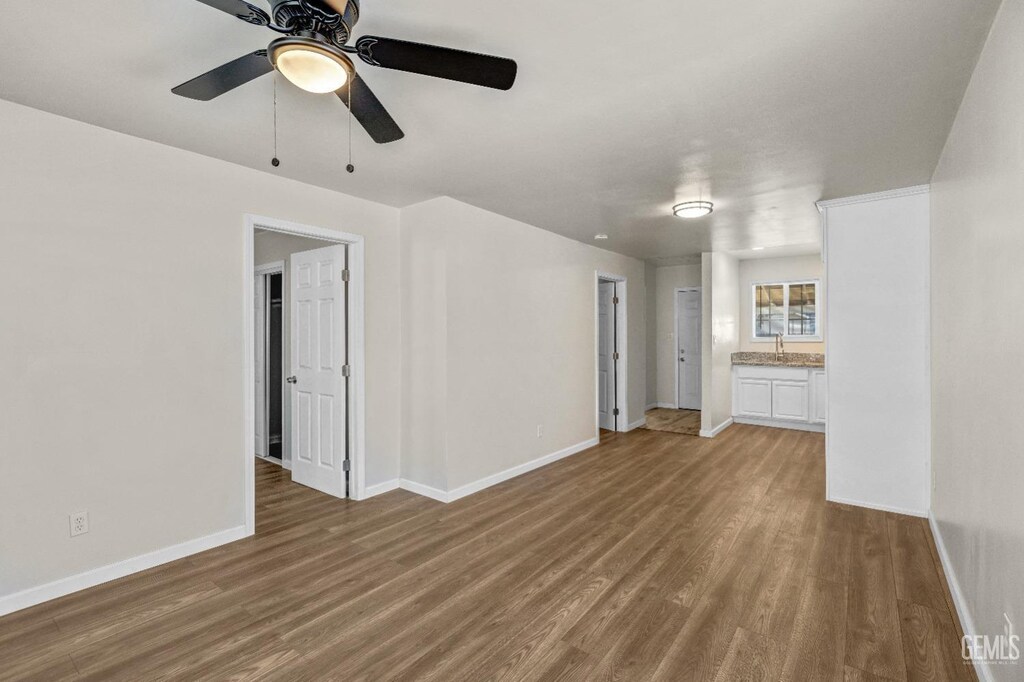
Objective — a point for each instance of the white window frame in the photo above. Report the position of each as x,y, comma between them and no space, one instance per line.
817,338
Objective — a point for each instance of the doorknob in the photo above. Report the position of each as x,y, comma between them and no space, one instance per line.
292,380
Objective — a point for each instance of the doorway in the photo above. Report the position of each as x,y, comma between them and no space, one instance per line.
688,312
304,356
611,353
270,362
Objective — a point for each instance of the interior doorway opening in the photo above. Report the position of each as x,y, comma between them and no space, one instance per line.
304,343
611,354
270,363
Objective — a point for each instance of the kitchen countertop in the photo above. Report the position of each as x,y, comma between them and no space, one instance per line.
815,360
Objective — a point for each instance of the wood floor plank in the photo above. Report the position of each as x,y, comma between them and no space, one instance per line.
653,556
873,640
931,646
816,648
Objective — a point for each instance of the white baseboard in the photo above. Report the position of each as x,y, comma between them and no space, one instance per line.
778,424
704,433
880,507
668,406
381,488
98,576
984,671
637,424
651,406
425,490
495,479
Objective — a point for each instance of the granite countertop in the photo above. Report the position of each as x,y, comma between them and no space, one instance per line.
816,360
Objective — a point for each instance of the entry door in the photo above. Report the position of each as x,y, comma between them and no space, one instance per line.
606,348
688,351
318,358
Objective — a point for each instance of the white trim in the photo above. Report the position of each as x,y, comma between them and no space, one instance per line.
385,487
880,507
425,490
495,479
780,424
651,406
704,433
675,340
670,406
874,196
356,351
98,576
959,602
274,268
621,336
637,424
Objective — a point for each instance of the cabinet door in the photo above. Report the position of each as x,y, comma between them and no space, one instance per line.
790,400
819,397
754,398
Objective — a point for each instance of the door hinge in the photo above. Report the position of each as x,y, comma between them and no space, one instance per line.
615,300
615,355
615,412
346,371
347,466
345,275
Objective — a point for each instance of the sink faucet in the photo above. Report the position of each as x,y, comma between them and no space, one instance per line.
780,347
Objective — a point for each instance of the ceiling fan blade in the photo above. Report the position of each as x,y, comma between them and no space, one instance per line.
440,62
370,113
243,10
226,77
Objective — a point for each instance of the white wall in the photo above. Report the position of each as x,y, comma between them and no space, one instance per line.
779,270
270,247
121,349
667,279
977,243
499,337
878,442
721,335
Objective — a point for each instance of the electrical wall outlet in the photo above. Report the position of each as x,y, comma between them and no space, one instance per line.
79,523
540,431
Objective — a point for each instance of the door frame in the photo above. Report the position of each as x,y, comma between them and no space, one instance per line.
675,334
355,315
621,312
272,268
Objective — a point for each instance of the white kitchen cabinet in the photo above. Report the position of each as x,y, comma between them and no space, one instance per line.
754,398
784,397
819,396
790,400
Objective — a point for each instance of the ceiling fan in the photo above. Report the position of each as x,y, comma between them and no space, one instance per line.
313,54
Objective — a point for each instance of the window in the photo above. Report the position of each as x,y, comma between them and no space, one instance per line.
787,308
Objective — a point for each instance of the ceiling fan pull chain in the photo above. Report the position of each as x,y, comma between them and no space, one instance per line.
350,168
275,162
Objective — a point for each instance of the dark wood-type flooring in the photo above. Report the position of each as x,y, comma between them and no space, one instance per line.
650,557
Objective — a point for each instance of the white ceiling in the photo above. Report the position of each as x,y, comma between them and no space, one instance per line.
763,106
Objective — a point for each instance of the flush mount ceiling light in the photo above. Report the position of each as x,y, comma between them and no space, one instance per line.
693,209
309,64
600,236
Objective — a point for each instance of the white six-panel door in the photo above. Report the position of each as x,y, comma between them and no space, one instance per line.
688,322
605,355
318,357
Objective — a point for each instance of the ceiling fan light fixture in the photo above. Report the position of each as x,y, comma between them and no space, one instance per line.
311,65
693,209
